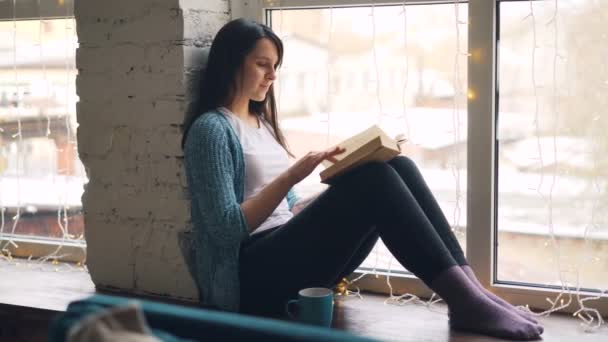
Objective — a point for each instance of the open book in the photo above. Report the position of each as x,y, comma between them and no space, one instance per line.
371,144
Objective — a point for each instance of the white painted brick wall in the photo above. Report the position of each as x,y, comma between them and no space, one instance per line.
137,61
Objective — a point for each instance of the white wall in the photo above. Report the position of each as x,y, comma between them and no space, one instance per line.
136,64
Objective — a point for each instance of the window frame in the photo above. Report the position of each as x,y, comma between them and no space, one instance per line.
482,149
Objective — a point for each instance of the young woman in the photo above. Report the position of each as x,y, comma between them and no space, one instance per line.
256,247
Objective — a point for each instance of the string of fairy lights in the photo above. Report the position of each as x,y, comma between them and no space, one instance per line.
590,317
456,122
67,166
408,298
19,136
62,211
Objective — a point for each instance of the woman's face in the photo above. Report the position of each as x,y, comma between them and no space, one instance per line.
258,71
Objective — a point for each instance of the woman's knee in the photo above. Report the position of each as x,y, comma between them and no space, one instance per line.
401,162
373,170
372,180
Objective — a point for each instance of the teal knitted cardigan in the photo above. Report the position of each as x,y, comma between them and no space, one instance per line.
215,171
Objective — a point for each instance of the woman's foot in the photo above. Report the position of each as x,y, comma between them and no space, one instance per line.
488,318
472,311
471,275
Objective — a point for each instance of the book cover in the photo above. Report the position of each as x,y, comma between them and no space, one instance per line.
371,144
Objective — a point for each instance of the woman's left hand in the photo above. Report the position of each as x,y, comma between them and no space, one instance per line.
297,208
300,205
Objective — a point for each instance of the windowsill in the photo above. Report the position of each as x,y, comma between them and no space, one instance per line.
34,294
46,287
43,286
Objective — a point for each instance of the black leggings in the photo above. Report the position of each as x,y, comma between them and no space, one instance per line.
334,234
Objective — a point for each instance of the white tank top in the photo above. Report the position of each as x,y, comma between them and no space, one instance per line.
265,159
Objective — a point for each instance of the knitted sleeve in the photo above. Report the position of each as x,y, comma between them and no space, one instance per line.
219,223
209,164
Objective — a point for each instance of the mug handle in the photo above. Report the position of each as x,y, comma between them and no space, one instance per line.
291,302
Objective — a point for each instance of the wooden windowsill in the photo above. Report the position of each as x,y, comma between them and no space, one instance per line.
31,294
49,287
42,286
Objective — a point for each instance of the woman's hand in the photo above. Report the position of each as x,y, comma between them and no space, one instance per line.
303,167
303,203
298,207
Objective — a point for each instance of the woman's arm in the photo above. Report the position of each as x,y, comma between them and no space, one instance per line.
258,208
210,172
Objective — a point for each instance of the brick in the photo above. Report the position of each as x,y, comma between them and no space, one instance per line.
101,234
218,6
133,112
125,58
164,140
106,87
152,204
201,25
159,250
134,201
87,9
145,171
94,140
151,24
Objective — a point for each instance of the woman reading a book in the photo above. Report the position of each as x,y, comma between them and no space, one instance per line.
256,244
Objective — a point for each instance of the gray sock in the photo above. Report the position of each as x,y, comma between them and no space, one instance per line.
472,311
471,275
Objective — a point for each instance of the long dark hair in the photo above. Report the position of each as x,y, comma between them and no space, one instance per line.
233,42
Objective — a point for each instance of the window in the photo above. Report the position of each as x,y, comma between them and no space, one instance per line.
41,176
372,43
425,75
553,150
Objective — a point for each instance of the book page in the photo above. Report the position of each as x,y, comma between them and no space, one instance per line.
355,142
371,144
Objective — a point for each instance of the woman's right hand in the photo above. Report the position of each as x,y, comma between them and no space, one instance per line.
303,167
